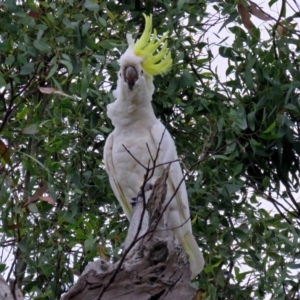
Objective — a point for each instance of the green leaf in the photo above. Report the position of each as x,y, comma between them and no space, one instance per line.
239,117
189,110
251,120
68,64
50,18
85,28
223,157
248,78
92,6
266,182
11,5
102,21
10,60
270,136
33,208
172,86
35,160
41,45
5,46
52,71
90,243
32,129
47,269
27,69
84,88
109,44
2,81
68,23
270,128
60,39
24,244
226,52
284,239
209,268
180,4
187,79
2,267
238,169
290,106
105,129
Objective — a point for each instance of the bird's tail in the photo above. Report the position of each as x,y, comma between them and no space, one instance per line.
195,255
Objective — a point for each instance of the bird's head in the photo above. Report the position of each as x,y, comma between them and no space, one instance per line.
144,59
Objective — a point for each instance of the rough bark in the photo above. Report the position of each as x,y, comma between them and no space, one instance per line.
9,292
153,265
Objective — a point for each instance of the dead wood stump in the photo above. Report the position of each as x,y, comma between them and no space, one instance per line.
153,265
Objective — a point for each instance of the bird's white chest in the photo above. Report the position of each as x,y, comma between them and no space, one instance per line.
129,153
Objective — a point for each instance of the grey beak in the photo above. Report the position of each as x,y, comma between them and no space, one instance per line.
131,76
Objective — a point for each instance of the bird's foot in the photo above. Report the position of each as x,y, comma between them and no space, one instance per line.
148,187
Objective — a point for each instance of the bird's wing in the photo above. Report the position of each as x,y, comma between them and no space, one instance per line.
116,187
179,213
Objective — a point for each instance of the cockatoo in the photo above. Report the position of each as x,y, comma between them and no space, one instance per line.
137,130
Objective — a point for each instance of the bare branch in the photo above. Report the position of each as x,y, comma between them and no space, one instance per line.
134,157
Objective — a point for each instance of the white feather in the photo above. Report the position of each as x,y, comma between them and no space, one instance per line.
129,38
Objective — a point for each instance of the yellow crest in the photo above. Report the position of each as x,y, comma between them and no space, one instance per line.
147,45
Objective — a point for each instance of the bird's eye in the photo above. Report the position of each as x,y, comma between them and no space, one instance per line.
142,72
120,74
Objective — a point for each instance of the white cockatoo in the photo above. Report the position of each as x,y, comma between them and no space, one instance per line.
136,129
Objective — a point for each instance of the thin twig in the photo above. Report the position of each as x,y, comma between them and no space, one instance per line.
166,163
293,200
134,157
275,27
149,152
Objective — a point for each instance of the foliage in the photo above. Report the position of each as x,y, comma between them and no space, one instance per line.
238,137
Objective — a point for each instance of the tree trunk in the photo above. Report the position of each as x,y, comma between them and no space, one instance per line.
9,291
